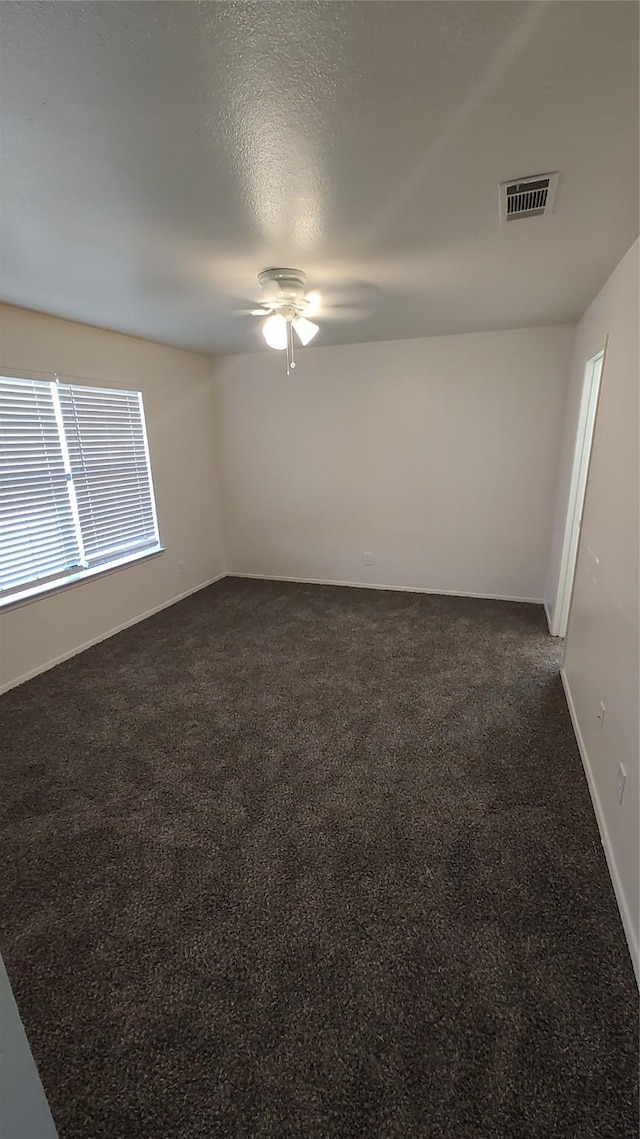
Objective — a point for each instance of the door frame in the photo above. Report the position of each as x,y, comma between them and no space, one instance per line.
591,385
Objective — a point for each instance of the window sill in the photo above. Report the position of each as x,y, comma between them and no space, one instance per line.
38,592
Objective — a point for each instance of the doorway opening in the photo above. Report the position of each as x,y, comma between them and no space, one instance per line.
579,474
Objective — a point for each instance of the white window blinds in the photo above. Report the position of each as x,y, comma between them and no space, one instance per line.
38,537
75,480
106,440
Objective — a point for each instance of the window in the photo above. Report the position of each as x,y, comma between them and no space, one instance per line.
75,482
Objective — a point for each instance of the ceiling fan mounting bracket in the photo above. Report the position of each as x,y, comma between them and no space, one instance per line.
283,287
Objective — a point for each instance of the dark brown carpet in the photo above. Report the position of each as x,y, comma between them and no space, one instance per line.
301,861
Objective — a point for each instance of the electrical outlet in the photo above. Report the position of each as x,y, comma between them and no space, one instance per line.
368,559
622,782
601,715
181,568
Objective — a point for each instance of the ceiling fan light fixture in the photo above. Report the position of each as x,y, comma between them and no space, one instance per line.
305,329
274,331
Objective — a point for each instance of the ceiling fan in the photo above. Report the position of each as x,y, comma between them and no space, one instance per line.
286,308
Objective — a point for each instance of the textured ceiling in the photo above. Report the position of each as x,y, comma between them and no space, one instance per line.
156,156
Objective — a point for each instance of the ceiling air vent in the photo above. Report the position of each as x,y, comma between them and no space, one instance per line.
527,197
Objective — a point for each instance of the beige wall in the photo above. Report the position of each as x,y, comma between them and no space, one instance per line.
439,456
603,637
178,399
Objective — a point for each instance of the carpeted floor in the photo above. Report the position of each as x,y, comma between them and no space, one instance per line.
319,863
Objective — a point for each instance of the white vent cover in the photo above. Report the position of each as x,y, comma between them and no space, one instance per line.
527,197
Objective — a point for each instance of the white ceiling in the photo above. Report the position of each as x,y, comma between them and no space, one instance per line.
156,156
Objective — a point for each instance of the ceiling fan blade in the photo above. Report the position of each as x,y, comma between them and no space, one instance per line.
342,313
241,307
346,300
250,311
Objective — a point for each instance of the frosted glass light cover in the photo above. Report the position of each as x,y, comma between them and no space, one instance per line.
274,331
305,329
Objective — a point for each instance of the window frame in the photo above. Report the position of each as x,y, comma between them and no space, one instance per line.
57,582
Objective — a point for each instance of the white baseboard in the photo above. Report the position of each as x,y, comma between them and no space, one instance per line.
393,588
105,636
623,906
260,577
548,616
550,622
